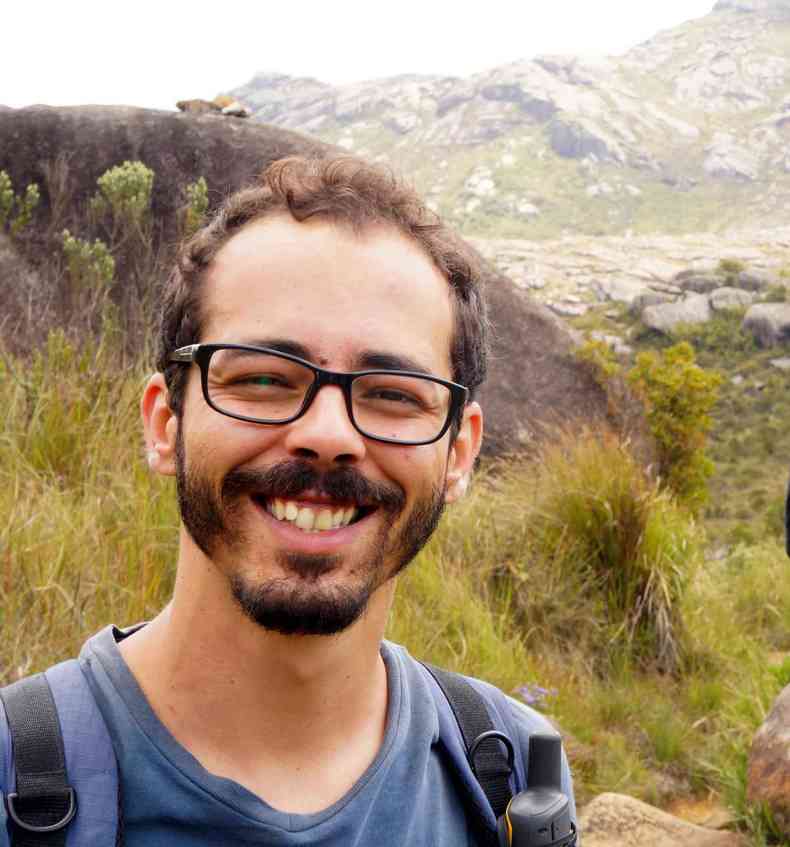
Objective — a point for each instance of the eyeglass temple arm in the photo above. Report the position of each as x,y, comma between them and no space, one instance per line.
184,354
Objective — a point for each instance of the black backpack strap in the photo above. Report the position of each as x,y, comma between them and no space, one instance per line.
489,751
44,803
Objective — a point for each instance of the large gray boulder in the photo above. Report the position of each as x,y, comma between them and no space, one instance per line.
726,298
616,820
769,323
665,317
700,283
750,281
534,383
620,289
768,779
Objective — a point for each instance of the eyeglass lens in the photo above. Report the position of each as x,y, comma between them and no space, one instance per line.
271,389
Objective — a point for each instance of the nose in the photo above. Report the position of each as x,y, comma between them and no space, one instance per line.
324,432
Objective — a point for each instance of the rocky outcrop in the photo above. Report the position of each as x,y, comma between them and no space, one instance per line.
198,106
615,820
727,158
575,140
534,382
726,298
780,8
665,317
769,323
768,778
640,271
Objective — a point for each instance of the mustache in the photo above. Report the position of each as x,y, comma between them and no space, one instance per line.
291,478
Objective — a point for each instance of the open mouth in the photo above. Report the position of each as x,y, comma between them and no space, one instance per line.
314,517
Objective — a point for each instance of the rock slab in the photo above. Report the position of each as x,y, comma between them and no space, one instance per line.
694,309
769,323
615,820
768,779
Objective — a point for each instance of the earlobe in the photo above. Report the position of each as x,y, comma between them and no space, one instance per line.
160,426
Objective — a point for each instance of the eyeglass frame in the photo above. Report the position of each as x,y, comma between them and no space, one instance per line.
201,354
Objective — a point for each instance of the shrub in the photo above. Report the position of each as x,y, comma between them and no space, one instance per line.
678,397
25,204
723,334
597,512
6,197
125,191
90,266
731,267
197,206
775,294
600,358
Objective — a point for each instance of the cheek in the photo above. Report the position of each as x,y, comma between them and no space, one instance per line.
222,442
420,469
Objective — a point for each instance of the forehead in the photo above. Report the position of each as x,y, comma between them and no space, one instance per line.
336,292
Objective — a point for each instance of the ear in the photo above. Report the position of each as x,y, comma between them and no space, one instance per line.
463,453
159,426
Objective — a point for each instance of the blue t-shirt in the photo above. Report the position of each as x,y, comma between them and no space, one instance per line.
406,796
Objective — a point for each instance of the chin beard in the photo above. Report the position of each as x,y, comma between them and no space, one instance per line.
281,606
305,601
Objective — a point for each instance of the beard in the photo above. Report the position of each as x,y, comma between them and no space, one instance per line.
301,603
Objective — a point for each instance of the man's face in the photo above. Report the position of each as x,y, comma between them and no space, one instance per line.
256,498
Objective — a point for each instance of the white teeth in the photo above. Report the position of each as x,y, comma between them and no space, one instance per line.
305,519
311,519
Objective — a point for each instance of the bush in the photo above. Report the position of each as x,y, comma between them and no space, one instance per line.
598,513
25,204
125,191
90,266
197,206
678,397
590,556
731,267
723,334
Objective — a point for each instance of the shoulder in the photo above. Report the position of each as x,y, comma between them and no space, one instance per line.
517,720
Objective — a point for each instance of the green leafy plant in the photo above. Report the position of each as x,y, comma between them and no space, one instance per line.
197,206
90,266
723,334
125,192
678,397
731,267
24,204
600,358
6,197
598,512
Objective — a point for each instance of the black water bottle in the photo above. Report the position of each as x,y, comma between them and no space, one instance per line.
540,816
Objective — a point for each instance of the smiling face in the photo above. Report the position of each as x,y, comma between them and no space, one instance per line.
307,520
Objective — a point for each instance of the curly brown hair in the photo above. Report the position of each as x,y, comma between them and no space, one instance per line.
346,190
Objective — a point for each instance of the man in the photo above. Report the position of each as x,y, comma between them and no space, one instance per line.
322,339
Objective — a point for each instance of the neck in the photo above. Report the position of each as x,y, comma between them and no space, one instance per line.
235,694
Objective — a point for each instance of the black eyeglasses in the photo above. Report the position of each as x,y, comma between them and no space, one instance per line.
265,386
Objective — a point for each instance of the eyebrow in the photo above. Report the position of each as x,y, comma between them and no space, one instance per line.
367,359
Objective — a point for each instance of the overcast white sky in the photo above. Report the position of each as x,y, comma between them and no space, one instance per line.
145,53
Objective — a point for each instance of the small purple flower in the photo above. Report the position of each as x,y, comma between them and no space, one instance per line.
535,695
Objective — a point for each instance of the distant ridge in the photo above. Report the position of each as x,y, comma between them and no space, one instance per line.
688,131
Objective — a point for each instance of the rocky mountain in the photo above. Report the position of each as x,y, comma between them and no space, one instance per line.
686,132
